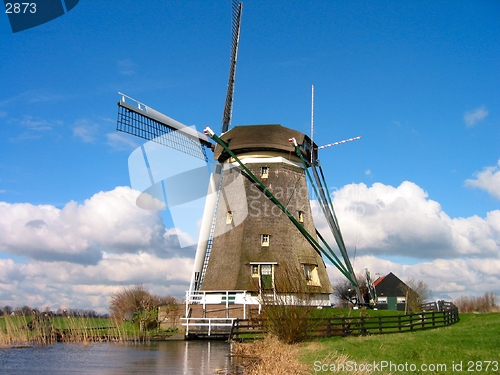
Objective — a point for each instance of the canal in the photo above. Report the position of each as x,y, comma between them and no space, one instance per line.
166,357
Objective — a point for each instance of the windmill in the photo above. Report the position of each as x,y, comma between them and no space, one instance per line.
254,229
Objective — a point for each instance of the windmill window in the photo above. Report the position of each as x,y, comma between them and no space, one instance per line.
382,299
264,239
266,269
255,270
401,299
301,216
264,172
229,217
311,274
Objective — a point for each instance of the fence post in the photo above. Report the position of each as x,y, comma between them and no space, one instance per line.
362,326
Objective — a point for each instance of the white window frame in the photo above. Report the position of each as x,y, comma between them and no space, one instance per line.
311,274
264,240
255,269
264,172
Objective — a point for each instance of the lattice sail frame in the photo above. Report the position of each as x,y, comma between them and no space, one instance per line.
141,122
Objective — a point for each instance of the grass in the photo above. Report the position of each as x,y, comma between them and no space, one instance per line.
475,338
329,312
472,342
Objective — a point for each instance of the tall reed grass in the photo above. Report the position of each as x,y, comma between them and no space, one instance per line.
46,329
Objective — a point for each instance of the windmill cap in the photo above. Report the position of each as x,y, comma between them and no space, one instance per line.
262,138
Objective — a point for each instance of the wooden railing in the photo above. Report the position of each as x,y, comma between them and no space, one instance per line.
444,315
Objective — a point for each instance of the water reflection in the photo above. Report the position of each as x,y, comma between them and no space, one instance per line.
168,357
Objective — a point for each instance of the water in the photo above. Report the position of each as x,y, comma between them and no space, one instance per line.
167,357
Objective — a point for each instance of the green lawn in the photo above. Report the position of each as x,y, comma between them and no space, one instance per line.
473,341
330,312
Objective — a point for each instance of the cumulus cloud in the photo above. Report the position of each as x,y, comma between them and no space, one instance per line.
70,285
488,179
108,221
76,256
475,116
447,278
383,220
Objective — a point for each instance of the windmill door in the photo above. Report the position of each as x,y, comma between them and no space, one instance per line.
266,277
392,303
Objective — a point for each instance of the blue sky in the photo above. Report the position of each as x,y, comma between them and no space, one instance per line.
418,80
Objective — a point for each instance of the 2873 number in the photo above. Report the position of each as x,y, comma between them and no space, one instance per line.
17,8
479,366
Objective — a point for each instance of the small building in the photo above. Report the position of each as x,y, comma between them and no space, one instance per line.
391,293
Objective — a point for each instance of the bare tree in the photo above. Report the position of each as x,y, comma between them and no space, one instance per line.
286,308
136,303
484,304
344,291
417,292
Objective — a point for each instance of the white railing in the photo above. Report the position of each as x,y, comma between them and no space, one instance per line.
207,322
219,297
140,105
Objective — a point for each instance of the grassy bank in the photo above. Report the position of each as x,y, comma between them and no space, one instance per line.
42,330
472,342
476,338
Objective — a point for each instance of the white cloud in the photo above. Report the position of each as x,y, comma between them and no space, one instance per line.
86,130
447,278
387,221
475,116
122,141
108,221
69,285
126,67
76,256
488,179
36,96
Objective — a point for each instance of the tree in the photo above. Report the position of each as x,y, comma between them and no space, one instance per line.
417,292
344,291
7,310
136,303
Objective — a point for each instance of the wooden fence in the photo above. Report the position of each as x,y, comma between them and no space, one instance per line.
433,315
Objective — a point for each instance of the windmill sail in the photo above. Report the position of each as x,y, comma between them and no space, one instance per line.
235,26
144,122
212,203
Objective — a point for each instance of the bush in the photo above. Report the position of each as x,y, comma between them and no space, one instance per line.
137,304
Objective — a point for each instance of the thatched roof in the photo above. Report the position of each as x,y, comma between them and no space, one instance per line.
251,138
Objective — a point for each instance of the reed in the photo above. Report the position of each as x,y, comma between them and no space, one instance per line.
44,329
268,356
